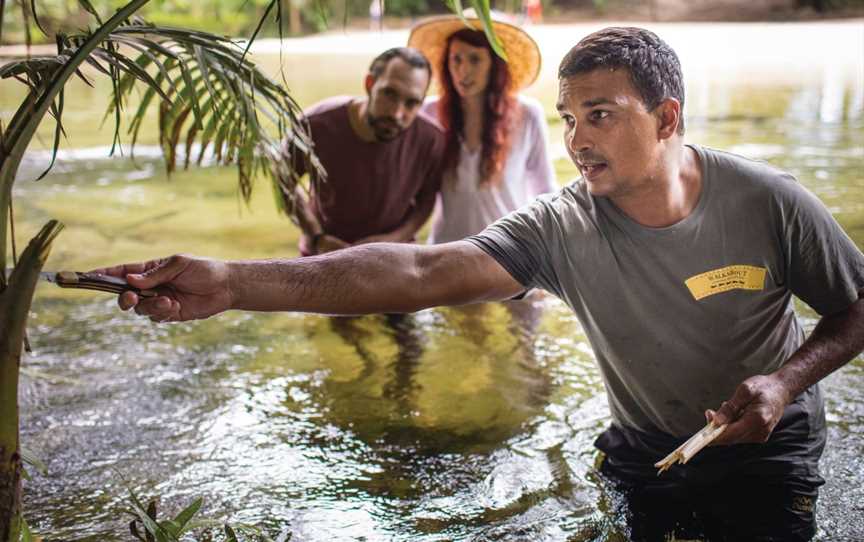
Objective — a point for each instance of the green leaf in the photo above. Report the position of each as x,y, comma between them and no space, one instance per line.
186,515
481,7
218,91
27,456
26,534
27,118
170,526
36,18
133,529
88,7
57,113
154,532
151,509
260,24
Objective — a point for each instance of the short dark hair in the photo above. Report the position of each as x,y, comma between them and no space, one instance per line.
654,67
411,56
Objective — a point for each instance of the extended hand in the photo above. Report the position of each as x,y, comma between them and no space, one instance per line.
189,288
753,411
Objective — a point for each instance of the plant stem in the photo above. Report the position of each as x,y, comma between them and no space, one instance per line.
16,292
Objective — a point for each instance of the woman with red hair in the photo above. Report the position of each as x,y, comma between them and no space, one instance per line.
496,156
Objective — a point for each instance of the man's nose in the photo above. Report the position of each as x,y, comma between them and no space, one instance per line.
577,139
401,112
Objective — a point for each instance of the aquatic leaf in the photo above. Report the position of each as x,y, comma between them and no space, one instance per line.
171,527
27,456
231,536
186,515
26,533
153,531
133,529
151,509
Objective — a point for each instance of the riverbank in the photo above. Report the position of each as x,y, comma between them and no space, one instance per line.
731,46
642,13
736,49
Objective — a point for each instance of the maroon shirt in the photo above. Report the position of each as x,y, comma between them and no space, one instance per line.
371,188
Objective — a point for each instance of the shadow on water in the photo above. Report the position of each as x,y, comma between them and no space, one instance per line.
469,424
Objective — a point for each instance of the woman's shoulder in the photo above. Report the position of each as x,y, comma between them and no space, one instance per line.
531,107
430,105
531,116
429,113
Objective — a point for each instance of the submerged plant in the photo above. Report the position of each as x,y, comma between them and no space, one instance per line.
146,526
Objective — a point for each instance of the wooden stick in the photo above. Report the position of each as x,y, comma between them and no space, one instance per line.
686,451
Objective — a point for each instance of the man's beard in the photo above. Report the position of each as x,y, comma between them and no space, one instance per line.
384,128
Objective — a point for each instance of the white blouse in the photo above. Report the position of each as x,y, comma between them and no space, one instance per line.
464,208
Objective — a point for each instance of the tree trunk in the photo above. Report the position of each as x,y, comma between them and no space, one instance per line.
10,458
15,302
10,495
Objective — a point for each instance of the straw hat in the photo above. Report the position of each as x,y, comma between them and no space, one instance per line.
523,55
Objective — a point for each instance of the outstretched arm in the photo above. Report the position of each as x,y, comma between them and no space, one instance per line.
381,277
758,403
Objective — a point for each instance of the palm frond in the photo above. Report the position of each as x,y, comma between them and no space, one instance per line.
482,10
209,95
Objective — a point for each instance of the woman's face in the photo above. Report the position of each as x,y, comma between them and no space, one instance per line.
469,68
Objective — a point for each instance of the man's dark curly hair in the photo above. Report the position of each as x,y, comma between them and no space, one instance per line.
412,57
653,66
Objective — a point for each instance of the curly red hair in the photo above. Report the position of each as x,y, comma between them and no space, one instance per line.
499,110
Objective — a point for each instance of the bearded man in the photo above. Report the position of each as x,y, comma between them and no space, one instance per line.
383,160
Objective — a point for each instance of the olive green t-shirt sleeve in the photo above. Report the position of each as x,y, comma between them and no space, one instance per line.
825,269
524,244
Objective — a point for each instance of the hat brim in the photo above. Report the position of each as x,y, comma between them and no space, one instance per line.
523,54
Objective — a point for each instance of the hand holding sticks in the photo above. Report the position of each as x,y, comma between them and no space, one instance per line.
686,451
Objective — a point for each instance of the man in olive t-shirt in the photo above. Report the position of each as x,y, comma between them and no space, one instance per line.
681,263
678,316
383,160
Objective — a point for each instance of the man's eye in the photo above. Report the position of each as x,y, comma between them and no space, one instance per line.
568,120
598,115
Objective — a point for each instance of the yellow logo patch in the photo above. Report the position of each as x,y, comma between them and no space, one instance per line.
733,277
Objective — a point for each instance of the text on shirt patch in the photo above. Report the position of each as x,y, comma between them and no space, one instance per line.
733,277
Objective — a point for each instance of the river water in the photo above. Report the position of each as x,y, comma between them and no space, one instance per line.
470,423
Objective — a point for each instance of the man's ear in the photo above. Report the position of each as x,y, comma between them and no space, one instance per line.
669,116
368,82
